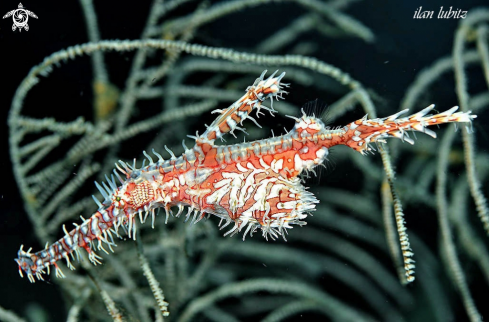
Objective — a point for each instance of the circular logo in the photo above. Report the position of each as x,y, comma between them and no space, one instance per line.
20,17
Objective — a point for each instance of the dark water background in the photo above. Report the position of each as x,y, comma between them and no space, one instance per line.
403,47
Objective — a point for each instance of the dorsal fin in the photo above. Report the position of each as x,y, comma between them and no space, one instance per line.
316,108
229,118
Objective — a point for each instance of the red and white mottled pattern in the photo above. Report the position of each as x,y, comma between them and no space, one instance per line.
252,185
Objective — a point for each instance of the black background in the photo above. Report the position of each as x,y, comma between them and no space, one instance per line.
403,46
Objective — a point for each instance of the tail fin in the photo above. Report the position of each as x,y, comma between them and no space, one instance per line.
362,132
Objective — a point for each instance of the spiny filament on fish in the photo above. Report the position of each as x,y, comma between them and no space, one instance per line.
251,185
